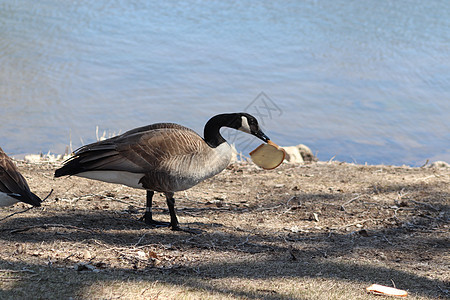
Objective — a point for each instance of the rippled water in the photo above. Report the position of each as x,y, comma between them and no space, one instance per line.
367,81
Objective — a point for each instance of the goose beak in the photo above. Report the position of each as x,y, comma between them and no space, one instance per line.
262,136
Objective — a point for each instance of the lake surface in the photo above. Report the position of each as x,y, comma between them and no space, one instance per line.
364,81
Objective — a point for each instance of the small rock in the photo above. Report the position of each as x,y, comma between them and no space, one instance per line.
382,255
439,164
306,153
19,249
299,154
403,203
100,265
314,217
293,155
153,254
85,267
132,209
80,267
33,158
216,202
141,254
294,229
363,233
87,254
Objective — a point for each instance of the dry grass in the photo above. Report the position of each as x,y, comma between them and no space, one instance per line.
318,231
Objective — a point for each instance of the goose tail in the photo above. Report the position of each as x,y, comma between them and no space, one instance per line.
88,160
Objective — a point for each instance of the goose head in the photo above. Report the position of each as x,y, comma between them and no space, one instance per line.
248,124
240,121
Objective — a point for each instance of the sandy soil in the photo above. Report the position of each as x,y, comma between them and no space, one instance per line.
284,233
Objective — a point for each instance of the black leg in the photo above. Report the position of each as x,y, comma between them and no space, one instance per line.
173,216
147,217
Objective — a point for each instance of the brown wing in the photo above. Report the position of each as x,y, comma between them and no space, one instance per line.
13,183
155,147
163,149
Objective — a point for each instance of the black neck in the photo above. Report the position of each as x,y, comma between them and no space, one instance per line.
212,129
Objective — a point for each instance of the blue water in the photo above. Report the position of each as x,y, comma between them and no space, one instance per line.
365,81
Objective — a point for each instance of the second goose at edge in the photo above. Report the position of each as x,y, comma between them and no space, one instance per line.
13,186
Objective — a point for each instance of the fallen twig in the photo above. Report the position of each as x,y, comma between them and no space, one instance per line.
139,241
446,292
46,226
430,176
244,242
359,222
390,243
17,213
290,199
75,199
426,163
163,209
17,271
291,252
425,204
269,208
432,218
349,201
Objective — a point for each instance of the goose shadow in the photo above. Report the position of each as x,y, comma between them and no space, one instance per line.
277,255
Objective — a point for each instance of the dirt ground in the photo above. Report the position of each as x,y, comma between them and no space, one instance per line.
324,230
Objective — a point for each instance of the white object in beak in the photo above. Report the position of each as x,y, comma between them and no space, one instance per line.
268,156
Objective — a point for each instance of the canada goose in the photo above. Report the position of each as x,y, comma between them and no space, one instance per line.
162,157
13,187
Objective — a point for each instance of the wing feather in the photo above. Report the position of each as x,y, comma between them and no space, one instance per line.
158,147
13,183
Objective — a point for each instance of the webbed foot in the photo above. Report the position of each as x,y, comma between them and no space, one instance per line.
153,223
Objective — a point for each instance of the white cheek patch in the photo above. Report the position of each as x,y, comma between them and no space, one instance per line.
244,125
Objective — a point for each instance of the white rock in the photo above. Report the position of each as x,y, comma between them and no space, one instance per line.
299,154
141,254
293,155
306,153
439,164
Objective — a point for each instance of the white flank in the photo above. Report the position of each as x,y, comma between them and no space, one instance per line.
6,200
244,125
121,177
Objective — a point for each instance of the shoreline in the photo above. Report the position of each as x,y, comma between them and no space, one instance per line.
238,158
